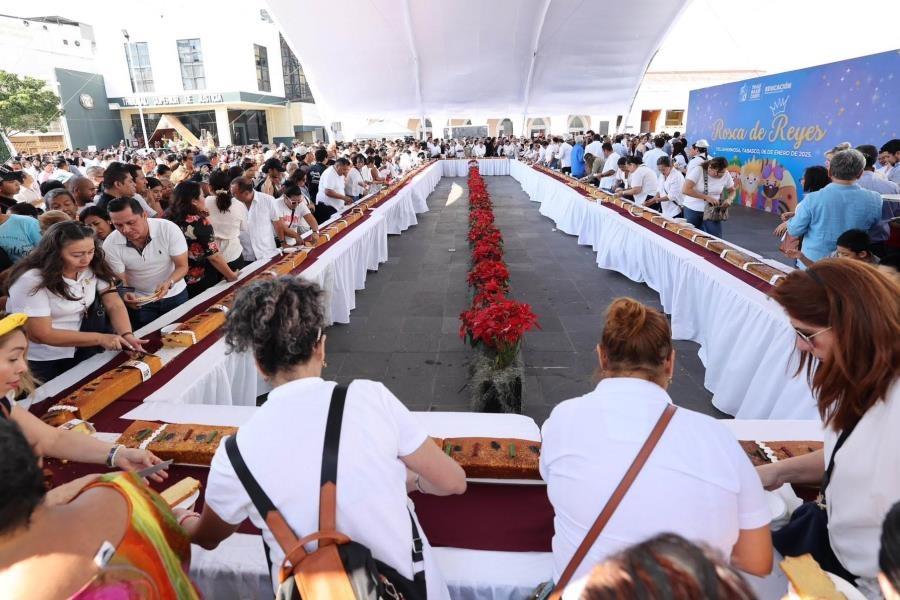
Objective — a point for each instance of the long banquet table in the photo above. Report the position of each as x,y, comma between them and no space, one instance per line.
237,568
459,167
216,377
746,341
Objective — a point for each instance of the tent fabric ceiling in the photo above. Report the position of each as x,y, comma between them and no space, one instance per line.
505,58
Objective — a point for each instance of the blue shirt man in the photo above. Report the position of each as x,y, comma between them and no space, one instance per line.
578,160
824,215
18,235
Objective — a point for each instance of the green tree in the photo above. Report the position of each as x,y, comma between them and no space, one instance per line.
25,104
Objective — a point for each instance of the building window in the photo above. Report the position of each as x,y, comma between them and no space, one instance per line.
295,87
262,68
137,55
674,118
191,59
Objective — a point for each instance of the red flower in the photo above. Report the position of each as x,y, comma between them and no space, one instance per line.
487,250
488,270
498,326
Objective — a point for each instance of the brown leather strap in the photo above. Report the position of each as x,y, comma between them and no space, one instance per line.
327,510
613,503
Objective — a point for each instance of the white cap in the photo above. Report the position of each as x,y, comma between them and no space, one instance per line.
701,144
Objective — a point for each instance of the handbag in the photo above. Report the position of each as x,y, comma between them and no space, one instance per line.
807,531
95,320
339,568
614,500
710,212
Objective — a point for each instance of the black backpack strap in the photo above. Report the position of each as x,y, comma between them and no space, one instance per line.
330,451
826,478
418,557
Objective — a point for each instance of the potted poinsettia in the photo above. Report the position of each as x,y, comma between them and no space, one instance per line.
497,328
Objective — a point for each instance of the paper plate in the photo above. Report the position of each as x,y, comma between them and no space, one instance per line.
188,503
170,328
842,585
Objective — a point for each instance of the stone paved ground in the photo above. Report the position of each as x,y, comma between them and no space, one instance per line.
404,329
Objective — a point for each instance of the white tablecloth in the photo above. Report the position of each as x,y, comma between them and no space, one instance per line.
747,343
459,167
216,377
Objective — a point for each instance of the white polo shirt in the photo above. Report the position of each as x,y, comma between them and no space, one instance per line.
697,483
671,187
650,158
292,218
377,430
147,269
646,179
260,231
27,295
610,163
331,180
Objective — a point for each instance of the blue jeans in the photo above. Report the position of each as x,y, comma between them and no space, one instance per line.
154,310
695,218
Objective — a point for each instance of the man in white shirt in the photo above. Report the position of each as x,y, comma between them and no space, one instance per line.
669,188
565,157
595,147
149,256
618,147
610,166
333,184
479,150
551,157
651,156
259,239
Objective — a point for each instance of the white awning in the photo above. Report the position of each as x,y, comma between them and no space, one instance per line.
377,130
504,58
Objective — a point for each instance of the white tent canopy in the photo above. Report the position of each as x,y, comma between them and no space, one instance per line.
377,130
462,58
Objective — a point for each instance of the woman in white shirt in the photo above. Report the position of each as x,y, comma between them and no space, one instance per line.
384,451
228,217
56,285
697,483
294,217
356,185
706,183
669,185
847,318
641,183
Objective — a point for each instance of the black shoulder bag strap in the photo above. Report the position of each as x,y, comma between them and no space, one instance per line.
826,478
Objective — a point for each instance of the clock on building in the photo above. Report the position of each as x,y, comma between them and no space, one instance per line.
87,101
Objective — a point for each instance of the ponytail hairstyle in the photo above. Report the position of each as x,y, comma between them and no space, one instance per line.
717,162
219,183
636,339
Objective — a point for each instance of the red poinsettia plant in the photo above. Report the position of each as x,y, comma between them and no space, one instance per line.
486,250
499,326
481,215
494,322
488,270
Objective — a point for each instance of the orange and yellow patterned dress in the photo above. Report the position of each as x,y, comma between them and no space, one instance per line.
151,561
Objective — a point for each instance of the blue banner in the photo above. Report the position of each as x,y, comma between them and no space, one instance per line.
772,128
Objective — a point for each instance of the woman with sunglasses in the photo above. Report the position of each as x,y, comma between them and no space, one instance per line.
62,286
847,318
294,217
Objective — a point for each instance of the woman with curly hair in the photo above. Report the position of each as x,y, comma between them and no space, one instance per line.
58,286
384,451
206,265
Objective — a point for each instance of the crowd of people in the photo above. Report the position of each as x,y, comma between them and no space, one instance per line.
107,245
93,246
